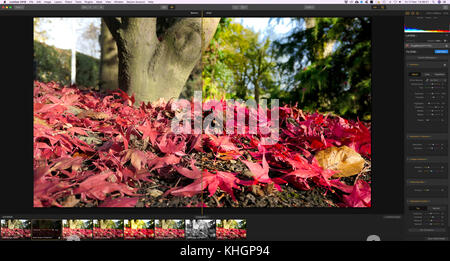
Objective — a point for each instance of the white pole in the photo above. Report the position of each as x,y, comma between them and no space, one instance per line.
73,72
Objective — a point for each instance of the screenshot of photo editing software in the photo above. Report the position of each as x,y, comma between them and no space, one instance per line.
202,122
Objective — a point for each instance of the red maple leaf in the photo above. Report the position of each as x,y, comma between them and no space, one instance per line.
360,197
261,174
204,179
173,145
128,100
138,158
197,143
148,131
97,187
119,203
222,144
195,173
302,168
159,162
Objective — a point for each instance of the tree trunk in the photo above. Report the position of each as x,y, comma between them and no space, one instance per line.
71,223
193,83
151,68
102,224
109,60
164,224
257,92
227,223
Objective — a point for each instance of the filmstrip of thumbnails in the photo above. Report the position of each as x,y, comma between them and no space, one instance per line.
120,229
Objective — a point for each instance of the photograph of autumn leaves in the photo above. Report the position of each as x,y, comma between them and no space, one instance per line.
202,112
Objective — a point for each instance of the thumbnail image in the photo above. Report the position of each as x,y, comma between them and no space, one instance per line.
200,229
231,229
108,229
169,229
15,229
220,112
46,229
139,229
77,229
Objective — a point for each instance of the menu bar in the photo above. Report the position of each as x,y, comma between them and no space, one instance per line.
108,2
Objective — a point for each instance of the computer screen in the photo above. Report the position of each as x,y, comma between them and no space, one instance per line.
188,124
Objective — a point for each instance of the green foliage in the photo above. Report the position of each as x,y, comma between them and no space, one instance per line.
108,223
236,62
323,64
180,224
79,224
242,224
136,224
87,70
232,223
327,65
216,76
16,224
53,64
39,33
169,223
149,224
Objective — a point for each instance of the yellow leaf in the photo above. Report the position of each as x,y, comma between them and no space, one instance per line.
344,160
41,122
96,115
70,201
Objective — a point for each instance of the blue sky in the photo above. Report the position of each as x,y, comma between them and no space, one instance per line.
59,33
268,27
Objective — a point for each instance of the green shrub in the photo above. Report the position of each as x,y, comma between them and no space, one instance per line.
53,64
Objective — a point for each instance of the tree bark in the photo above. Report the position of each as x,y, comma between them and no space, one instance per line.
193,83
152,68
257,92
109,60
102,224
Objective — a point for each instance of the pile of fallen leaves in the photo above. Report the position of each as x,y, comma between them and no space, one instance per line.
79,232
96,149
230,233
169,233
15,233
107,233
138,233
